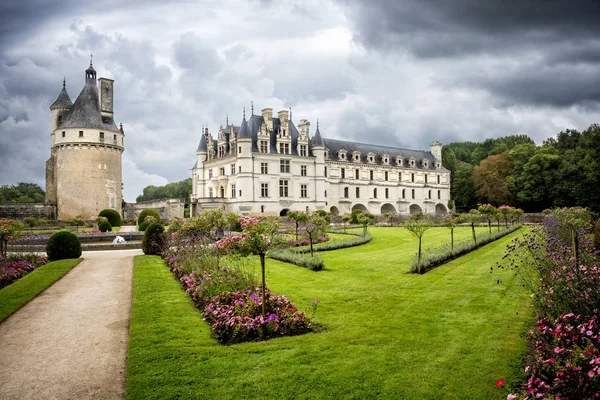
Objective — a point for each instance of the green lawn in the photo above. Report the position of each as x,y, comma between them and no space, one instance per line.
20,292
450,333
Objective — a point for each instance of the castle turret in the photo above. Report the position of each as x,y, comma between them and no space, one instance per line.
436,150
60,107
318,151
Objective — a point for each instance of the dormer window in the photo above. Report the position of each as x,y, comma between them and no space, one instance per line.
399,161
371,157
342,155
385,159
412,162
356,156
264,146
425,163
438,165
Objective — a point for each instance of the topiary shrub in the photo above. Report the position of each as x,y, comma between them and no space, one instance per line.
113,216
30,221
63,245
104,226
148,212
155,241
143,226
597,235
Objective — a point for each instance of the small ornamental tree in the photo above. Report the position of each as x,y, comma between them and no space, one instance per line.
575,220
417,225
346,219
317,223
258,236
472,217
30,221
497,217
487,211
298,217
389,216
506,212
76,222
9,230
364,218
450,222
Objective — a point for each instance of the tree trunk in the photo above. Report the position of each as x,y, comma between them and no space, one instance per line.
297,225
419,257
474,236
452,238
262,267
490,226
311,244
576,248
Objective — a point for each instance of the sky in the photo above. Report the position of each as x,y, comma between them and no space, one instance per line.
397,72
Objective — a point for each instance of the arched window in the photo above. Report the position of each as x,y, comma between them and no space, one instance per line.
375,193
346,194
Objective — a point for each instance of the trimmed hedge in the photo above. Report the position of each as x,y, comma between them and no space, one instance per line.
104,226
63,245
155,241
432,258
143,226
113,216
298,255
148,212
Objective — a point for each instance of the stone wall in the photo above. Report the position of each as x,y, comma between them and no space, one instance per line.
167,208
24,210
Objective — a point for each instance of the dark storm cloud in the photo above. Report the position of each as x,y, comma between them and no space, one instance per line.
542,43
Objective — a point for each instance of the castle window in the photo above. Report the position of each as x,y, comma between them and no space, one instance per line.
80,133
264,190
343,173
425,178
232,169
115,138
60,118
303,170
240,168
375,193
357,192
210,192
262,209
429,194
439,194
325,172
283,188
222,191
425,163
240,193
263,146
403,193
413,193
412,177
63,134
303,150
385,175
264,168
101,135
222,171
357,174
240,150
399,161
233,191
387,193
438,179
326,154
371,174
346,195
303,191
284,166
210,174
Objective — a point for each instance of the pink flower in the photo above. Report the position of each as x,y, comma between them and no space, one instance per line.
500,383
511,397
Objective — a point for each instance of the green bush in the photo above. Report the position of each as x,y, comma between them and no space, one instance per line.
113,216
434,257
104,226
31,221
143,226
63,245
597,235
148,212
155,241
301,260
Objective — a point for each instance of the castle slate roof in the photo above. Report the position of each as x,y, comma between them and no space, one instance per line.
63,98
335,145
202,146
85,112
317,140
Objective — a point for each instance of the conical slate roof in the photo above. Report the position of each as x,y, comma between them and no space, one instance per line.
244,130
317,140
202,146
85,112
63,98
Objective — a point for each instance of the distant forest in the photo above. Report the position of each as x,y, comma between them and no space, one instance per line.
22,193
175,190
563,171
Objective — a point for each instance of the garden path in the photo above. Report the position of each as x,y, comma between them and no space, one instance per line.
71,341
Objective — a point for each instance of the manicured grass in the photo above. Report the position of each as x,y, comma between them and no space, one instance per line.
20,292
450,333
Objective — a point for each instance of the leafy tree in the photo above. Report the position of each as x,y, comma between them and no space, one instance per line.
489,179
298,217
76,222
462,189
181,189
22,193
472,217
417,225
451,222
317,223
9,230
390,217
364,218
487,211
346,219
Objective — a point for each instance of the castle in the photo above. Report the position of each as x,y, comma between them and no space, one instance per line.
84,172
268,166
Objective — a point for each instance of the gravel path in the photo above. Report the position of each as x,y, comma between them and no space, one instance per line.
70,342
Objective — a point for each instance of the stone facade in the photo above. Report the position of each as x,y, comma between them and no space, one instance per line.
269,166
84,172
167,208
24,210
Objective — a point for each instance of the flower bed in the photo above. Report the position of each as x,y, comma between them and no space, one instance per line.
12,269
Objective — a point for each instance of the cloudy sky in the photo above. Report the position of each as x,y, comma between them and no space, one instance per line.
396,72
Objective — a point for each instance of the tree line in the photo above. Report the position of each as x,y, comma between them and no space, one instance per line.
22,193
175,190
563,171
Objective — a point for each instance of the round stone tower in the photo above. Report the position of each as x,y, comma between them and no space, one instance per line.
84,172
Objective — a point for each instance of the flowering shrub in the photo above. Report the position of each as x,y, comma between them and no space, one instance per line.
9,230
558,264
13,269
236,317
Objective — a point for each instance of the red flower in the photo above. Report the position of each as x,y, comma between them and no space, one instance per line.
500,382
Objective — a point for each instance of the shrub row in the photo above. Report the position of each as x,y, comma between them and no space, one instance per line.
431,258
15,267
298,256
